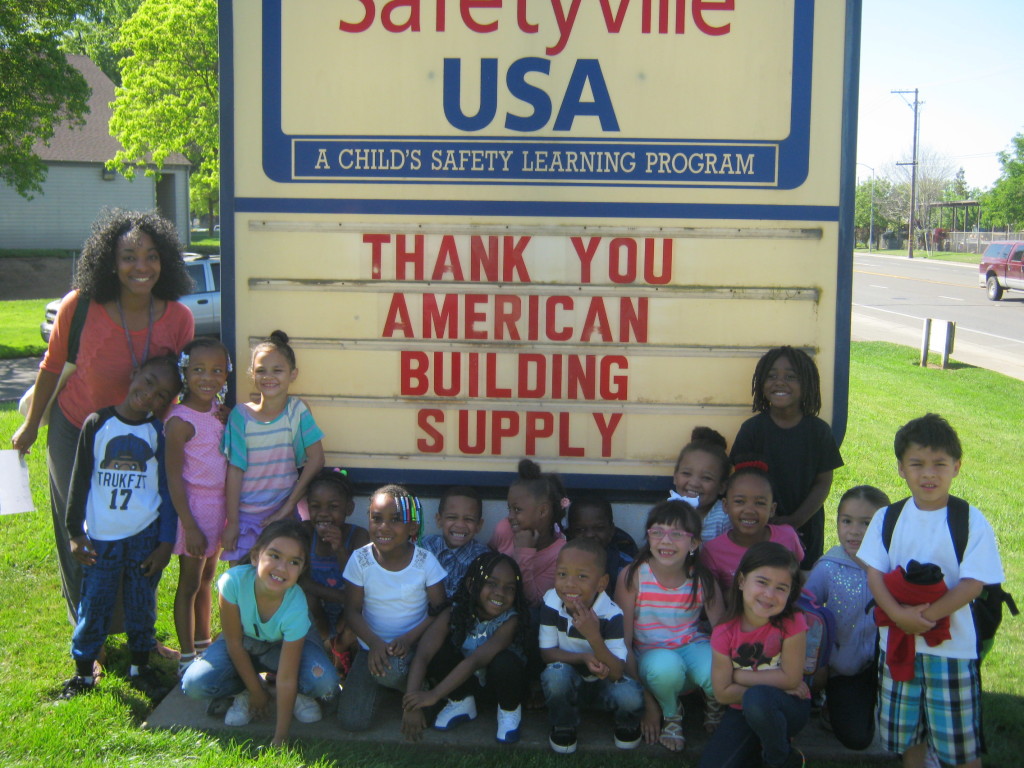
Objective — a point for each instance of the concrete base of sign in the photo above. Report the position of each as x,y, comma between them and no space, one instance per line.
594,736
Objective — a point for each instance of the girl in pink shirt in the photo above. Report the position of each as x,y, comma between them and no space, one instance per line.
531,534
757,663
750,504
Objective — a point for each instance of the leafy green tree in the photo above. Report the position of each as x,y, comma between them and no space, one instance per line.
94,33
39,89
169,97
1005,203
866,200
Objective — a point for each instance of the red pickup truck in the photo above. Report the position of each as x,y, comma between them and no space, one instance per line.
1002,268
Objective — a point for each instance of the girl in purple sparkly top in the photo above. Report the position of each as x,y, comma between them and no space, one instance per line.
840,582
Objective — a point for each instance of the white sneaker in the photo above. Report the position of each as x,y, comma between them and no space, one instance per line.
456,712
238,713
306,710
508,724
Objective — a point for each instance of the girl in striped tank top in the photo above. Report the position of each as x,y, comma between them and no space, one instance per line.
664,596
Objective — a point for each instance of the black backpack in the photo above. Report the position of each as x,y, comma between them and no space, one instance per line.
986,608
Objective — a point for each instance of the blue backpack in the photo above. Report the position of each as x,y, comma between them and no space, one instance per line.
821,633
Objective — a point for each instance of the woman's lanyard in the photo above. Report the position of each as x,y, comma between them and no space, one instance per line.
149,335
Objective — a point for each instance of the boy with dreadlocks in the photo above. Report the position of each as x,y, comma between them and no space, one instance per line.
393,591
798,447
482,653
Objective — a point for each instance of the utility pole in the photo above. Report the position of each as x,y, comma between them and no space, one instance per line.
913,176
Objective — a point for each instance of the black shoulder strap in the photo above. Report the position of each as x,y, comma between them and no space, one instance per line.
77,323
892,514
958,518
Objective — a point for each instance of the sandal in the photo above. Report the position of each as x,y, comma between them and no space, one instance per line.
713,712
672,734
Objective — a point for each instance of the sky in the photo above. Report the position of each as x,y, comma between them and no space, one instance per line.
966,59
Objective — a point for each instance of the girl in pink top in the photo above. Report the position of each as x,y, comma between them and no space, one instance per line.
750,504
530,534
757,663
196,472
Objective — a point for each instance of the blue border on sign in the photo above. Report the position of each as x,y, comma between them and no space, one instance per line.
783,164
614,484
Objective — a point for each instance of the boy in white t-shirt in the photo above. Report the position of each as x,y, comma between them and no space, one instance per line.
393,591
916,713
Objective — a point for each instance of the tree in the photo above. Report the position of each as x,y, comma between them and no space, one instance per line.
934,174
169,99
39,89
869,196
94,34
1005,202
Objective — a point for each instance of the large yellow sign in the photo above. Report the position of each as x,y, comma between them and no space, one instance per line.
564,228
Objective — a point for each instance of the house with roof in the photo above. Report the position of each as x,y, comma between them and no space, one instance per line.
78,185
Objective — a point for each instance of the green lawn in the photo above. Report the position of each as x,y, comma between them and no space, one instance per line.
20,321
887,389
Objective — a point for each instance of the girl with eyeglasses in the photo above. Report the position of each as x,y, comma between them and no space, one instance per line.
663,595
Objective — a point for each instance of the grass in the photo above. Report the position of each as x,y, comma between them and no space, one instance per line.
20,321
887,389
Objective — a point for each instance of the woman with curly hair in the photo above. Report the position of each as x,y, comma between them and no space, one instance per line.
131,273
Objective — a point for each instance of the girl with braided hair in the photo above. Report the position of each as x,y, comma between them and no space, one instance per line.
394,590
798,447
475,648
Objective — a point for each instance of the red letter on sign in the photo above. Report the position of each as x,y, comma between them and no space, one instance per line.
434,442
360,26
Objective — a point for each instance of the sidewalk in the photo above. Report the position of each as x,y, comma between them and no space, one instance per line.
595,734
16,376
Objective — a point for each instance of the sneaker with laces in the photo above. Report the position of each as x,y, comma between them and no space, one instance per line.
508,724
74,686
563,740
306,710
455,712
238,713
628,738
148,683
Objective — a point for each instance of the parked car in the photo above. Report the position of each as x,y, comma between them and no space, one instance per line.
204,301
1002,268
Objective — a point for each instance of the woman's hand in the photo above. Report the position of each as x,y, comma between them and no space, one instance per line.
24,438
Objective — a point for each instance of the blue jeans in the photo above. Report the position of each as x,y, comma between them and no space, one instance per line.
760,732
565,692
118,566
213,675
669,672
358,700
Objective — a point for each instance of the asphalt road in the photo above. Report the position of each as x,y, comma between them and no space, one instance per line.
893,295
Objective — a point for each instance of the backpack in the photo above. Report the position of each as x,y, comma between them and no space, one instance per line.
986,608
821,633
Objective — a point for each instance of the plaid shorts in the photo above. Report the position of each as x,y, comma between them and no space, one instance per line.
940,705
